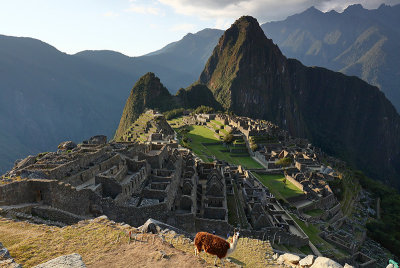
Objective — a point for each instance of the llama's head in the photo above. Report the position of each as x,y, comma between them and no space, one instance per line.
236,235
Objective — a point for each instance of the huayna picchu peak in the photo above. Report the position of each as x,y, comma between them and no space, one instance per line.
249,76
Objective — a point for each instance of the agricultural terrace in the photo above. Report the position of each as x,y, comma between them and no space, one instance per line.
200,138
277,186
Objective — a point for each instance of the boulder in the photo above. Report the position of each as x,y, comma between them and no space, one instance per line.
323,262
290,258
66,145
97,140
390,266
68,261
348,266
280,260
149,227
307,261
4,254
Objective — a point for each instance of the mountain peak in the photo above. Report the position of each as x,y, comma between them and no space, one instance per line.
246,20
242,50
312,10
354,8
148,92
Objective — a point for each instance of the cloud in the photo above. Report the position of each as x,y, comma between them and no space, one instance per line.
110,14
183,27
144,9
264,10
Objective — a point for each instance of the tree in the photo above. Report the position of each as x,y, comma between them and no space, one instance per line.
253,146
228,138
284,162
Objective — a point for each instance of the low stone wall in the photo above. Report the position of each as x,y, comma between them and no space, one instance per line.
57,215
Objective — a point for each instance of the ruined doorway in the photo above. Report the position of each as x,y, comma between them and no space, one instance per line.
38,196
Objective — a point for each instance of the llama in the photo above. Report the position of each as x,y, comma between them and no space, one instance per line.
215,245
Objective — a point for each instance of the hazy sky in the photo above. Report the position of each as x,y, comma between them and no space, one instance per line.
136,27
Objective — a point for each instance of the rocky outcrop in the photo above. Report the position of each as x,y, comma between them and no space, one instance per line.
310,261
67,145
326,263
307,261
68,261
149,93
347,117
29,160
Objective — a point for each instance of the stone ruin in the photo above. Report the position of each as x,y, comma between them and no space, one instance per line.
132,182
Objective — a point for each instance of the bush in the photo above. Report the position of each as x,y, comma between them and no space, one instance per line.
284,162
386,230
204,110
173,113
253,146
228,138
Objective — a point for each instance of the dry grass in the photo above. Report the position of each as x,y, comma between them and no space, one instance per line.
103,243
249,252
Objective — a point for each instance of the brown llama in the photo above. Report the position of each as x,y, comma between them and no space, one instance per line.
215,245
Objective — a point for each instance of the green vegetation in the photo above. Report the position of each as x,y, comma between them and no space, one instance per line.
228,138
386,231
148,92
312,232
174,113
199,139
314,212
204,110
284,162
278,187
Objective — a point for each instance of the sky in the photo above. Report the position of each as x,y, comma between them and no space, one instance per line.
138,27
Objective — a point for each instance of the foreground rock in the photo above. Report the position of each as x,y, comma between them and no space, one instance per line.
307,261
68,261
323,262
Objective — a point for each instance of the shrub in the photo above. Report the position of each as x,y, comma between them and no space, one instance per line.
253,147
284,162
173,113
204,110
228,138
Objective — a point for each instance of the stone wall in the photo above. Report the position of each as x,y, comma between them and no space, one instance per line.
57,215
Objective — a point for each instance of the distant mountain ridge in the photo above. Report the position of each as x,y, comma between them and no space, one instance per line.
357,42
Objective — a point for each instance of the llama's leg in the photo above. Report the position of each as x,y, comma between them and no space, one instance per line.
215,261
222,262
195,251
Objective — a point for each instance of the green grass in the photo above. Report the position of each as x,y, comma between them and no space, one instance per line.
314,212
201,134
217,122
277,187
312,232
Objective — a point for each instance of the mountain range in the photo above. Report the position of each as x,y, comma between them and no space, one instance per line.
248,75
47,96
358,41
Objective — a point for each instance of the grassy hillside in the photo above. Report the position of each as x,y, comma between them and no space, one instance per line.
103,243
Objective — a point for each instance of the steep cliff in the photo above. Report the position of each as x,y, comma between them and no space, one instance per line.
344,115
